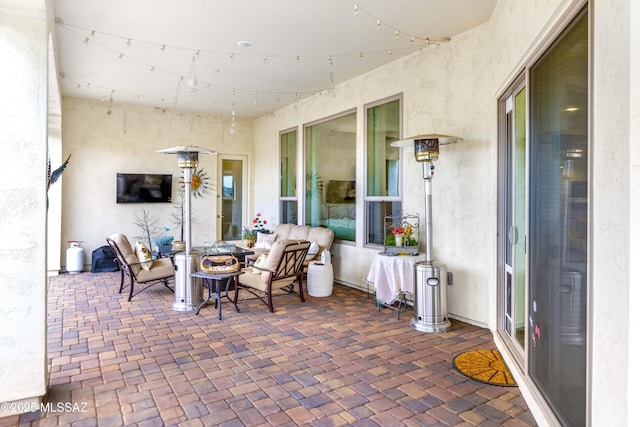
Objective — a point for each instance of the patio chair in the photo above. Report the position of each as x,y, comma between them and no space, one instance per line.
281,270
158,271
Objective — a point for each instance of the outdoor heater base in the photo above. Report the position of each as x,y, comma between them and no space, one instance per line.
430,298
188,290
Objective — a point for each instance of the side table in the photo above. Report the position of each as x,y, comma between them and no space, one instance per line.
320,279
214,282
393,277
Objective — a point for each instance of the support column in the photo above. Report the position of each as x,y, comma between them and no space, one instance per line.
23,213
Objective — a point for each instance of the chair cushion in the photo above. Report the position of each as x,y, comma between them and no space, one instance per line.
144,255
255,281
162,267
273,259
299,232
323,236
252,280
129,255
282,231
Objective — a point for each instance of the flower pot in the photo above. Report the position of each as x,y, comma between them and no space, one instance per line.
179,245
248,243
398,239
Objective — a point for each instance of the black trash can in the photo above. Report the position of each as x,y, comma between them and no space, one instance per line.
103,260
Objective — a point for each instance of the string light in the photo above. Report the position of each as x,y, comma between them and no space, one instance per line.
233,118
231,56
192,79
196,54
110,103
397,31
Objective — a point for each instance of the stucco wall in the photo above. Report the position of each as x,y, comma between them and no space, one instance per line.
445,90
23,138
614,233
126,141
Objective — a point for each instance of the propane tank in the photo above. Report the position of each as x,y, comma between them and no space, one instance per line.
75,257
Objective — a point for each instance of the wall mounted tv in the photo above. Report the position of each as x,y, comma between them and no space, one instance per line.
143,188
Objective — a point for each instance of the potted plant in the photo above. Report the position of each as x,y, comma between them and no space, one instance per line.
259,223
248,237
398,234
163,243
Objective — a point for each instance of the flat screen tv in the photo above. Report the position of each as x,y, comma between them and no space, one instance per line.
143,188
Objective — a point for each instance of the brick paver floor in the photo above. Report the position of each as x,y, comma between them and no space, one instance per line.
333,361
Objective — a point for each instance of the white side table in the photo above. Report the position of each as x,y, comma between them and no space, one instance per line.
320,279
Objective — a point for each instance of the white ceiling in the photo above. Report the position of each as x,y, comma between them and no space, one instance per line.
300,47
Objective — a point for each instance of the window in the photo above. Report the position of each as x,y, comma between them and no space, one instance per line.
383,168
288,161
330,175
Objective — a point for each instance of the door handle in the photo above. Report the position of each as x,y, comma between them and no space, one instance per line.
513,235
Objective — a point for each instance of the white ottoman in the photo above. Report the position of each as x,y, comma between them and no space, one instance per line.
320,280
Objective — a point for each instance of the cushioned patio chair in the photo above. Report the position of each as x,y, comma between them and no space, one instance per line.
145,273
281,270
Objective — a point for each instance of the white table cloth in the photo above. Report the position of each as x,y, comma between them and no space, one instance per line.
392,274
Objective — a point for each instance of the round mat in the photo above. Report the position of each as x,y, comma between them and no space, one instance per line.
486,366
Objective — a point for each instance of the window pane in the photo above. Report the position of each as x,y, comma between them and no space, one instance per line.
559,181
331,175
288,164
383,168
288,212
376,212
383,160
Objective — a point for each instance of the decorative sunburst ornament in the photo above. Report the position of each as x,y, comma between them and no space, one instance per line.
199,183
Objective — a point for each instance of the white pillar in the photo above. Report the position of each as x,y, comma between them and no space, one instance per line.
23,213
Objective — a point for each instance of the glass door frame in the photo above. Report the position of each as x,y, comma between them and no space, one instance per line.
503,340
519,84
244,191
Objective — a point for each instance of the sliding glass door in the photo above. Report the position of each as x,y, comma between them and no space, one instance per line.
559,222
543,221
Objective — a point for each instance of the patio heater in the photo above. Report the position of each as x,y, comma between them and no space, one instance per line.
430,278
188,290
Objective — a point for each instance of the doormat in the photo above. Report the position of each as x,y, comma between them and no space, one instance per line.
485,366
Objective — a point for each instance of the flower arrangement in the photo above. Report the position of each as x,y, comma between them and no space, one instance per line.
259,223
407,236
163,240
401,236
397,230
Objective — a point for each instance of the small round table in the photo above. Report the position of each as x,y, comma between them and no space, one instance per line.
214,282
320,279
